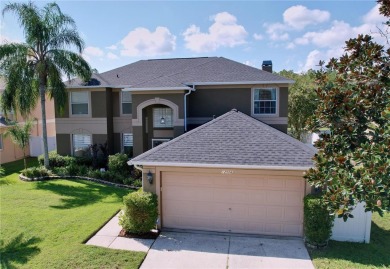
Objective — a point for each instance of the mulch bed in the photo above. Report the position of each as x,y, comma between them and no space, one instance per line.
150,235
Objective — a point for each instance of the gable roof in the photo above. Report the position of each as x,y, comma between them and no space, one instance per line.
231,140
179,73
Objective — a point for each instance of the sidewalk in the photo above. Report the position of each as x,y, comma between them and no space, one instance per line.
108,237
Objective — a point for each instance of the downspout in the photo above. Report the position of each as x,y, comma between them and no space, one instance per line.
185,106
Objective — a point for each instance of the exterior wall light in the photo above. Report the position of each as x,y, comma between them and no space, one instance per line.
162,121
149,176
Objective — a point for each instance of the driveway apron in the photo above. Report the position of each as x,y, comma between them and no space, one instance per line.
201,250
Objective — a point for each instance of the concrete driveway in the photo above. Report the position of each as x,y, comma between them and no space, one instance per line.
201,250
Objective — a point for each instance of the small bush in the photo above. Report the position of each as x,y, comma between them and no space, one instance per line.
86,160
39,171
140,212
118,164
56,160
317,221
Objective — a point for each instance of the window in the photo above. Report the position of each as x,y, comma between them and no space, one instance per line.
127,105
162,117
81,143
264,101
79,103
127,142
1,141
157,142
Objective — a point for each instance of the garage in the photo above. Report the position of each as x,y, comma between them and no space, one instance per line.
233,174
239,204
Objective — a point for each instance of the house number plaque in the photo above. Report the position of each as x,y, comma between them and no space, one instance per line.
227,172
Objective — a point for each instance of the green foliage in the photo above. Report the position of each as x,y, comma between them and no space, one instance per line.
56,160
34,172
140,212
34,69
302,101
353,161
118,164
20,135
316,221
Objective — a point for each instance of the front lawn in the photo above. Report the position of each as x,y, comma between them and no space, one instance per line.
44,224
343,255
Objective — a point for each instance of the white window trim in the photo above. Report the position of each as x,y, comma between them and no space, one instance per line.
71,141
80,115
160,139
277,102
120,108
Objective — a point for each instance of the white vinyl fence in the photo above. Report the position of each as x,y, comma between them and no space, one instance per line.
357,229
36,145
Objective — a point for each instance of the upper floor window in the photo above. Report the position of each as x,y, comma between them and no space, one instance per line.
126,103
162,117
264,101
79,103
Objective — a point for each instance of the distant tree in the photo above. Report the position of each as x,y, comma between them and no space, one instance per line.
20,135
302,101
353,161
34,69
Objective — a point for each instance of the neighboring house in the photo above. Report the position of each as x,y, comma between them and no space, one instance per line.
232,174
141,105
8,150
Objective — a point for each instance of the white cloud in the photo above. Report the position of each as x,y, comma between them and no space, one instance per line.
141,41
250,63
277,31
112,47
93,51
258,36
224,32
112,56
298,17
5,39
295,18
312,60
290,45
373,16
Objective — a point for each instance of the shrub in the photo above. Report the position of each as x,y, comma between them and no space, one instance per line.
317,221
140,212
56,160
76,170
86,160
39,171
118,164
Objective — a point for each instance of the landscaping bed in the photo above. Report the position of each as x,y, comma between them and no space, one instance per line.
44,223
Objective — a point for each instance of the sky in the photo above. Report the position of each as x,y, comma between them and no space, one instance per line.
295,35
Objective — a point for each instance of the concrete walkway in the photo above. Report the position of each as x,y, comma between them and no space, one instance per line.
199,250
108,237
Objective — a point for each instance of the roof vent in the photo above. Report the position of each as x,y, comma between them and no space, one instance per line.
267,66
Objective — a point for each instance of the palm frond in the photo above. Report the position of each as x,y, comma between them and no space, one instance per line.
71,64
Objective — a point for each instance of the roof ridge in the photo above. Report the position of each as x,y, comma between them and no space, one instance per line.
280,134
162,146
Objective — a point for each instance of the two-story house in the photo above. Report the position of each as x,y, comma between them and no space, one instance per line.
138,106
8,150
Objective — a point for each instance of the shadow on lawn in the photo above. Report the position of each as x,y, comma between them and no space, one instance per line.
83,194
374,254
18,251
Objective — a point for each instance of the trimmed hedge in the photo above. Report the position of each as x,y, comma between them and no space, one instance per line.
34,172
140,212
117,163
317,221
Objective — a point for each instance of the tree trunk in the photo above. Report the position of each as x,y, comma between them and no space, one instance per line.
24,159
42,92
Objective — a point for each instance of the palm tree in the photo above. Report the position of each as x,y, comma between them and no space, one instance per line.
20,135
34,69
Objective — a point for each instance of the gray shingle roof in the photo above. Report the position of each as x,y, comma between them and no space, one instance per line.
233,139
179,72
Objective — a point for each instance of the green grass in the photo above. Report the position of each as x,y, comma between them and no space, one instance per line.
44,224
346,255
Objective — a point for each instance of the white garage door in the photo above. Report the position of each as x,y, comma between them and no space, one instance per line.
242,204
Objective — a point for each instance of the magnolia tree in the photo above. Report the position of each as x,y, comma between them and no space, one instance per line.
353,161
